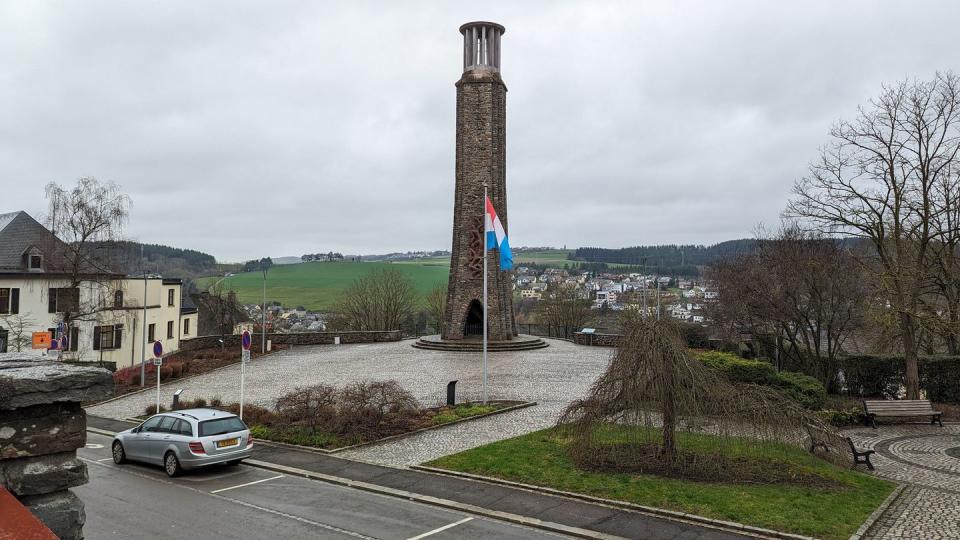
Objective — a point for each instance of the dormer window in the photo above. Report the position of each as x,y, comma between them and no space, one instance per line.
36,262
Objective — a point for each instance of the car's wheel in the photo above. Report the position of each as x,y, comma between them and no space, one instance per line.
172,465
119,456
233,463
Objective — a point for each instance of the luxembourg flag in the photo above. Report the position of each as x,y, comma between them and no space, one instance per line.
496,236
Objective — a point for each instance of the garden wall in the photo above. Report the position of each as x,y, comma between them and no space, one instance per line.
597,340
41,427
298,338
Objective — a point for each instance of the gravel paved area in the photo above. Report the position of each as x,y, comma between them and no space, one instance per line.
927,459
552,377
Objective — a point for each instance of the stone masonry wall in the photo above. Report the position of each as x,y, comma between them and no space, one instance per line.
41,426
481,157
297,338
597,340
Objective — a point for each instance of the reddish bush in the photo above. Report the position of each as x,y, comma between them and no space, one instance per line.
165,372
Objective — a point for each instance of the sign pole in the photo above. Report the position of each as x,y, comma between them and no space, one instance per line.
244,358
157,362
485,257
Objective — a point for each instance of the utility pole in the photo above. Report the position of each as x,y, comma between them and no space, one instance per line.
143,349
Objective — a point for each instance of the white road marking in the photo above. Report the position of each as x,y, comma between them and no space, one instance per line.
235,501
247,484
94,445
440,529
105,459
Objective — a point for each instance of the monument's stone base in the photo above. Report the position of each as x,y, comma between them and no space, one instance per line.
475,344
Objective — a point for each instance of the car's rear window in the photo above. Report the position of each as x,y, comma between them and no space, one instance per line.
221,426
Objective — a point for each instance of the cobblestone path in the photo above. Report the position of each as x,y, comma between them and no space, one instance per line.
927,460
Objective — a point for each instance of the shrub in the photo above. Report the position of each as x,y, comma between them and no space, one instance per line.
844,417
216,402
152,409
883,376
165,372
176,370
940,377
803,388
806,390
310,406
135,378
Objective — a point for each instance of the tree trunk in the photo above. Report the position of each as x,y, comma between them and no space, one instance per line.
669,412
911,371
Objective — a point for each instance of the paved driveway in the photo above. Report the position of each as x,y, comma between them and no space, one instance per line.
552,377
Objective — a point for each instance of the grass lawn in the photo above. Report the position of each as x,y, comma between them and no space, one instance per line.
317,285
540,458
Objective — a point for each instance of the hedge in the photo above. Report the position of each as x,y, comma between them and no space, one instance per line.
883,376
803,388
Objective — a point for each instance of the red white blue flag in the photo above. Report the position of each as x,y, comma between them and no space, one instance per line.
496,236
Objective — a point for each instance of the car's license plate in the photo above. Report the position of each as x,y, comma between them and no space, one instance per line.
227,442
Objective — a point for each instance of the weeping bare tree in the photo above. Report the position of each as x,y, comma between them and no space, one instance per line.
658,410
86,220
881,178
380,300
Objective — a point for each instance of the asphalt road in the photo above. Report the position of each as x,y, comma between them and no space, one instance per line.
140,501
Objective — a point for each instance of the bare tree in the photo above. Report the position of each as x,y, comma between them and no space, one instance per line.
944,309
380,300
86,221
563,307
805,289
19,333
436,305
879,179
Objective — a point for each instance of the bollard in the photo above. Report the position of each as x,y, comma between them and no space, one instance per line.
176,398
451,393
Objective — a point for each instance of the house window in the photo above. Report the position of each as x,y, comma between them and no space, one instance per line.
10,301
36,262
170,297
64,299
74,339
169,329
108,337
118,299
186,327
152,332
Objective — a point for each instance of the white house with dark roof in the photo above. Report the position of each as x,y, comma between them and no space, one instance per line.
35,292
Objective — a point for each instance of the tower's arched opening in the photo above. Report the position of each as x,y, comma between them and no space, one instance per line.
473,323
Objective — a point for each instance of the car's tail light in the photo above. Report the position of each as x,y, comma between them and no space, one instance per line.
250,441
197,447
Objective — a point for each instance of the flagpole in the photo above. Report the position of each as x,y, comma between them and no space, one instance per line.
485,257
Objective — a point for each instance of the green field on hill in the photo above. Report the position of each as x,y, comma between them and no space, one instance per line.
317,285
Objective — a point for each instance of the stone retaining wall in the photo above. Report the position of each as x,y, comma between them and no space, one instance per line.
41,427
597,340
298,338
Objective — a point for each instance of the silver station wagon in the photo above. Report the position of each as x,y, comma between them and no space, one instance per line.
186,439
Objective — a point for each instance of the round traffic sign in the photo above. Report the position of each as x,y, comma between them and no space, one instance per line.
157,348
245,340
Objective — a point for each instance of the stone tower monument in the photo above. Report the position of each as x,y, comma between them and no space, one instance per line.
481,160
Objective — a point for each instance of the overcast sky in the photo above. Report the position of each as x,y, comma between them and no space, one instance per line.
276,128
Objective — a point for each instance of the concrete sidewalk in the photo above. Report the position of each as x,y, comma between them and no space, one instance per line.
571,513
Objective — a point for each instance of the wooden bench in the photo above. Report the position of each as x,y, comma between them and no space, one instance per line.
819,439
899,408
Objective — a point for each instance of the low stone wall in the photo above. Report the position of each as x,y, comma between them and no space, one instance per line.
298,338
41,427
597,340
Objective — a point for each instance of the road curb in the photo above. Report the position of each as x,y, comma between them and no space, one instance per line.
878,513
730,526
435,501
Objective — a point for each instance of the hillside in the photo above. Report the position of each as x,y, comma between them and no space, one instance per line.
665,259
165,260
317,285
